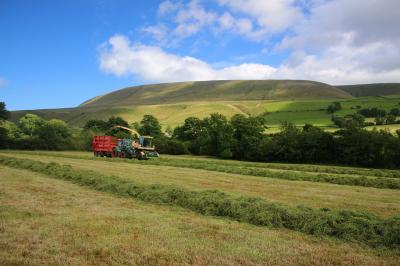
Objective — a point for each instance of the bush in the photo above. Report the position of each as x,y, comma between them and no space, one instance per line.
372,112
227,153
334,107
170,146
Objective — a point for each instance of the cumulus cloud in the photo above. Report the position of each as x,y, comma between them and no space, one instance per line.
331,22
191,18
348,41
121,57
167,7
337,65
253,19
333,41
271,16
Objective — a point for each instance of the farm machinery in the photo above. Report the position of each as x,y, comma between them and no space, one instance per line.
108,146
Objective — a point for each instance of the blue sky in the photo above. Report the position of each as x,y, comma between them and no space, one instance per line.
60,53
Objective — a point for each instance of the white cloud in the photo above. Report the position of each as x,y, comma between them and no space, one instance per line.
348,41
120,57
333,41
167,7
338,65
253,19
330,22
272,16
191,18
226,21
158,32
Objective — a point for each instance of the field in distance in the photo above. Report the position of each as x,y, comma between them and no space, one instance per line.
42,216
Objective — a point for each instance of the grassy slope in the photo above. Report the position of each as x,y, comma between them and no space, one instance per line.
231,90
378,89
299,112
380,201
202,98
48,221
173,102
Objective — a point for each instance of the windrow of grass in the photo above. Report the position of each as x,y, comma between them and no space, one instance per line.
313,168
343,224
305,167
230,167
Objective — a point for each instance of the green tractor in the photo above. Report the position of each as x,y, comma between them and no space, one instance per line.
142,148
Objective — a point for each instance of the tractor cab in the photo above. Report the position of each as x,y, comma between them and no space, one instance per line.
146,141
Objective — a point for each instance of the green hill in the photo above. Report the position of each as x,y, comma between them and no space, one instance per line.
281,100
229,90
378,89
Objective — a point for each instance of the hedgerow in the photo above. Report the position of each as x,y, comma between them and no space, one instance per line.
346,225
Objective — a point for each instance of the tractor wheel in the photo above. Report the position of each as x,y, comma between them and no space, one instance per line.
139,155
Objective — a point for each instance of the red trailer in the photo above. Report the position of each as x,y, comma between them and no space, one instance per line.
104,146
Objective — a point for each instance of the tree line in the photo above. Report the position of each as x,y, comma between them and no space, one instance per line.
240,137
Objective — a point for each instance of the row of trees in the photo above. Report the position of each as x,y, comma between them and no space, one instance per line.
243,138
240,137
34,132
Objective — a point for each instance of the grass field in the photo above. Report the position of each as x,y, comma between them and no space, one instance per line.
53,221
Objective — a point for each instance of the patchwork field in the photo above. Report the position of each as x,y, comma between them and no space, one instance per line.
181,210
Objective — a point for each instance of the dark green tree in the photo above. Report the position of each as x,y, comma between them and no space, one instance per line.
150,126
193,132
316,145
285,146
54,135
395,112
117,132
334,107
4,113
96,125
248,134
218,141
348,121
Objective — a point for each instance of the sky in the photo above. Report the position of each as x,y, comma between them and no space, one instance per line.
56,54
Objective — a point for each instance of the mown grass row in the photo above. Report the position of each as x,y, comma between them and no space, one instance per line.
313,168
378,182
346,225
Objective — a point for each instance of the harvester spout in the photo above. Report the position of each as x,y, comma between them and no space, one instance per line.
128,129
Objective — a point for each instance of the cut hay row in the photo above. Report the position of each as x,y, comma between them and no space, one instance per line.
219,166
347,225
330,169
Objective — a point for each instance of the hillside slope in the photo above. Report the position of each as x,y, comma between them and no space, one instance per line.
299,102
230,90
378,89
